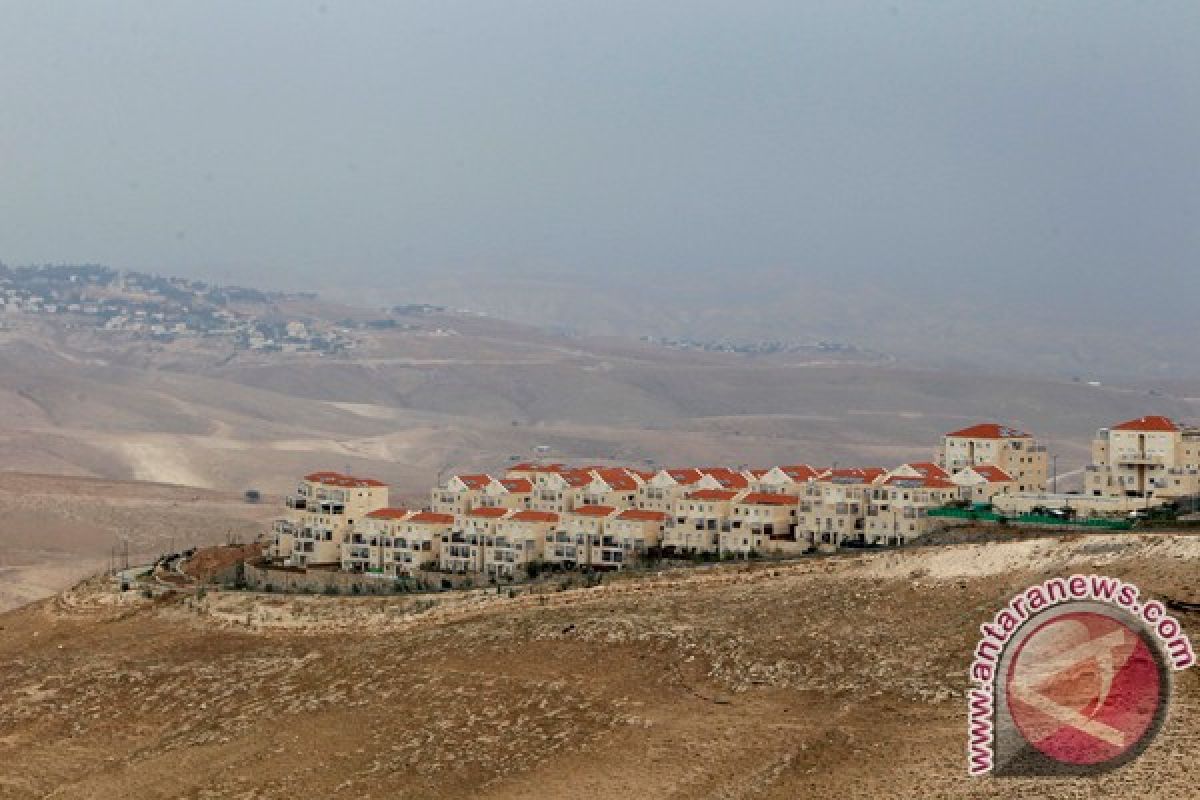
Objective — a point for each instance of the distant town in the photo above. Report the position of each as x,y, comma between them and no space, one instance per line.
536,516
166,309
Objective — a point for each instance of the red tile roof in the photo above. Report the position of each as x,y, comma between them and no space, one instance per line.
488,511
800,472
534,516
1149,424
432,517
991,473
989,430
860,474
594,511
768,499
639,515
928,469
576,478
517,485
475,481
617,477
726,477
685,475
712,494
389,513
327,478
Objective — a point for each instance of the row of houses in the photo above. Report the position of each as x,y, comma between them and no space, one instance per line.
607,517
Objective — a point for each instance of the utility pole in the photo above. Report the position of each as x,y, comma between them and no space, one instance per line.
1054,474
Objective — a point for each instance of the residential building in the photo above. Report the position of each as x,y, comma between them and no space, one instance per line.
463,551
762,522
519,539
367,546
637,531
326,506
1153,458
416,542
697,521
899,506
578,541
1014,451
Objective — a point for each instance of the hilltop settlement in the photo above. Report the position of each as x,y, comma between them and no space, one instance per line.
599,517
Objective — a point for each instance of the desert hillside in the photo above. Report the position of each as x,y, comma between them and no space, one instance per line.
59,529
831,677
459,392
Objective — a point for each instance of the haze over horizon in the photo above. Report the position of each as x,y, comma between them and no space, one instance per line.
1023,162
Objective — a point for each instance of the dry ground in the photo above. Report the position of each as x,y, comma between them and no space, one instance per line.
831,677
58,529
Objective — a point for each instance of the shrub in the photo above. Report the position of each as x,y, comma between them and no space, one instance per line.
332,589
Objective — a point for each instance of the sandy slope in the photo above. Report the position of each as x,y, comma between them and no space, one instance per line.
58,529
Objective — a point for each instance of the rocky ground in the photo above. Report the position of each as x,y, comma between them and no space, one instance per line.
828,677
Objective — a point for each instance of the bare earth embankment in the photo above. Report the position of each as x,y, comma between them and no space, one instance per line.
830,677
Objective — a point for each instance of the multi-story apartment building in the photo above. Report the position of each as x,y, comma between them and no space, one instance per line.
326,506
519,539
415,542
833,509
1015,452
1152,457
697,520
463,551
898,509
367,546
762,522
395,542
578,540
637,530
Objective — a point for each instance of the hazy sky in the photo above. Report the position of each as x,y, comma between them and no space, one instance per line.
965,144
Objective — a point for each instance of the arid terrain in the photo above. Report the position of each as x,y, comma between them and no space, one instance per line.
840,676
58,529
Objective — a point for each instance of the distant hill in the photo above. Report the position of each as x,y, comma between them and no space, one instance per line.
982,324
415,391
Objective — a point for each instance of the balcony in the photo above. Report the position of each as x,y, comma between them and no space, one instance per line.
332,509
1133,457
296,503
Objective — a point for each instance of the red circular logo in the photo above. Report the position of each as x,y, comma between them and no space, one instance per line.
1084,688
